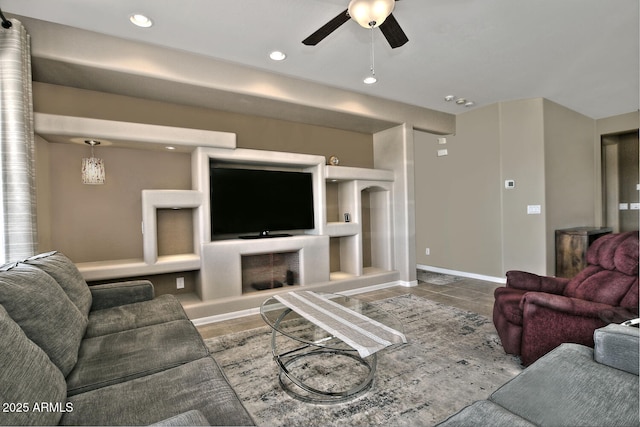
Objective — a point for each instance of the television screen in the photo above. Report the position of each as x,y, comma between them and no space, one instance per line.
260,201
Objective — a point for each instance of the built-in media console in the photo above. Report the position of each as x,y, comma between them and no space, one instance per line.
227,264
262,221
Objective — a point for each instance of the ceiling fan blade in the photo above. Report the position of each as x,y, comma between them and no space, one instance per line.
393,33
327,29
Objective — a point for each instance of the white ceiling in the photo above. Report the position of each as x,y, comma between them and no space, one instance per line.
583,54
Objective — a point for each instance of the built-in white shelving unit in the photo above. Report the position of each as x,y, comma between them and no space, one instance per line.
219,262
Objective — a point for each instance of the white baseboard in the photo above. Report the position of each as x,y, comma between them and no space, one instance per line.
373,288
225,316
501,280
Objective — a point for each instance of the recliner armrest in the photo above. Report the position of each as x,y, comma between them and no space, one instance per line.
121,293
533,282
617,346
568,305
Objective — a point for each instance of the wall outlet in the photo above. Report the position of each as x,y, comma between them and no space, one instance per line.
443,152
427,251
623,206
180,283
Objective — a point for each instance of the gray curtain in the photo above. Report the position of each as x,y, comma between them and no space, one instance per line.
17,150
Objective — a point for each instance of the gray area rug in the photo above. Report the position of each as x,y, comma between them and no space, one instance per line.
436,278
453,358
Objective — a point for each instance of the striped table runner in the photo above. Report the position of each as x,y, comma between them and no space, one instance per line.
363,334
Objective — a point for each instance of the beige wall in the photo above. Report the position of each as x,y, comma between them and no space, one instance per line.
569,173
353,148
458,196
522,159
467,218
95,223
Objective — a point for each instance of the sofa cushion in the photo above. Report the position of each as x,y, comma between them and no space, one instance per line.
36,302
189,418
617,251
597,284
114,358
109,295
164,308
64,271
566,387
27,377
485,413
197,385
617,346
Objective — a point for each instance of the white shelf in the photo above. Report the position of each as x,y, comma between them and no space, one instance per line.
117,269
70,129
341,229
345,173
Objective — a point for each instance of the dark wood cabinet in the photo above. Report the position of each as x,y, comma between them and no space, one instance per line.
571,248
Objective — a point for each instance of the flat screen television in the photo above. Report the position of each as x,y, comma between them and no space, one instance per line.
259,201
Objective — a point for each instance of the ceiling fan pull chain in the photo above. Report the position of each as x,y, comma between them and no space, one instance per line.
373,58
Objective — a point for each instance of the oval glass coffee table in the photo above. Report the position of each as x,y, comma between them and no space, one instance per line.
326,345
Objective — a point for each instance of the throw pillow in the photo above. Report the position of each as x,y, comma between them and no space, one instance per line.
61,268
36,302
28,379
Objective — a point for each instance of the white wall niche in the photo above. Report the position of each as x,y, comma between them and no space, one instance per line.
152,200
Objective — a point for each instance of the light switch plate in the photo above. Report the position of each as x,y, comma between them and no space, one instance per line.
534,210
623,206
634,206
443,152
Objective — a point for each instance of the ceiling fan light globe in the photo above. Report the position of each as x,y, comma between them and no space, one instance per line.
370,13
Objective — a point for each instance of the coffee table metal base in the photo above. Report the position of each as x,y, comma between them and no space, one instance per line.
300,389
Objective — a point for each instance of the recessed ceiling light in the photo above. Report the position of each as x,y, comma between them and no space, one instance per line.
140,20
169,147
369,80
277,55
459,100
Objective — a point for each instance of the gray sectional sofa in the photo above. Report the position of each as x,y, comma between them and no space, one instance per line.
73,354
573,385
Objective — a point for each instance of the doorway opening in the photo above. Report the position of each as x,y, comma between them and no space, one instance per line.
620,181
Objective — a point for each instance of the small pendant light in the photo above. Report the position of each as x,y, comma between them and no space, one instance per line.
93,168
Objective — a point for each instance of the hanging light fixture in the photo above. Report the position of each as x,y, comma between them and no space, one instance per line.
371,78
370,13
92,168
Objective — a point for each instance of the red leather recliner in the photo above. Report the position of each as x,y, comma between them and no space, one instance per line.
534,314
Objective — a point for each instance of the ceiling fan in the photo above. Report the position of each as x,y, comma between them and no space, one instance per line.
369,14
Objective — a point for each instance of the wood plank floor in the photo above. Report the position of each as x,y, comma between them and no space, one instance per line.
468,294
